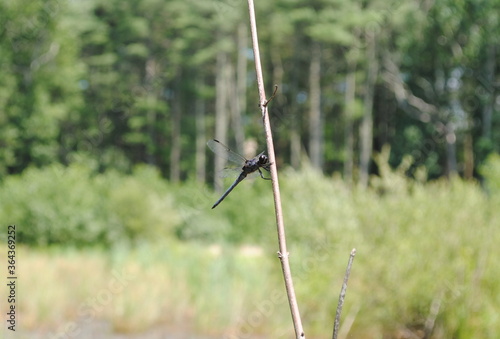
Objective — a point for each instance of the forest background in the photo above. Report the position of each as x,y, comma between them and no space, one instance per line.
386,126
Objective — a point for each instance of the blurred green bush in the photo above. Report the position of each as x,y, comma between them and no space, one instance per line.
420,245
490,171
73,206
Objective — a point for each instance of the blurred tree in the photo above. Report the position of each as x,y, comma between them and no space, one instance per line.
39,88
122,82
435,74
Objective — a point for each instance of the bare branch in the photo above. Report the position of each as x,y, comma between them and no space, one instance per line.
433,313
405,97
272,96
283,253
342,294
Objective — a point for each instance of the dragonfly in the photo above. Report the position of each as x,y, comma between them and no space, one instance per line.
247,166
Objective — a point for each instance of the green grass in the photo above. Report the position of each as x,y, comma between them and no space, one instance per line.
417,244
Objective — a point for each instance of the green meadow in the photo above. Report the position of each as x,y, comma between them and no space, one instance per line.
137,253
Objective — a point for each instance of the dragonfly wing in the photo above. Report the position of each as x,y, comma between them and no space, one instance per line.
225,152
229,172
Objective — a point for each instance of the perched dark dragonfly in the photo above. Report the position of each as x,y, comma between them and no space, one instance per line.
248,166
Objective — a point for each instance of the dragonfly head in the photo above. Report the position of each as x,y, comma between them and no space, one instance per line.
263,159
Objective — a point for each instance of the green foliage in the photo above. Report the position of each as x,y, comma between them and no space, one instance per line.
232,220
417,244
54,205
39,87
72,206
491,174
431,243
101,78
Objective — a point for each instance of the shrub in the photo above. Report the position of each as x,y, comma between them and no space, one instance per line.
73,206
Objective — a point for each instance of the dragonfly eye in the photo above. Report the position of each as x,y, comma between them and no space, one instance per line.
263,159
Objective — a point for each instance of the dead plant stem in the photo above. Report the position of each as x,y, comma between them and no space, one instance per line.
283,252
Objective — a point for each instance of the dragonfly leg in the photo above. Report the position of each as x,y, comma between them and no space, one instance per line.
262,175
267,167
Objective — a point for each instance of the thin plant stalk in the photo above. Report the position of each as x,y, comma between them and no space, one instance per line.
342,294
283,252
